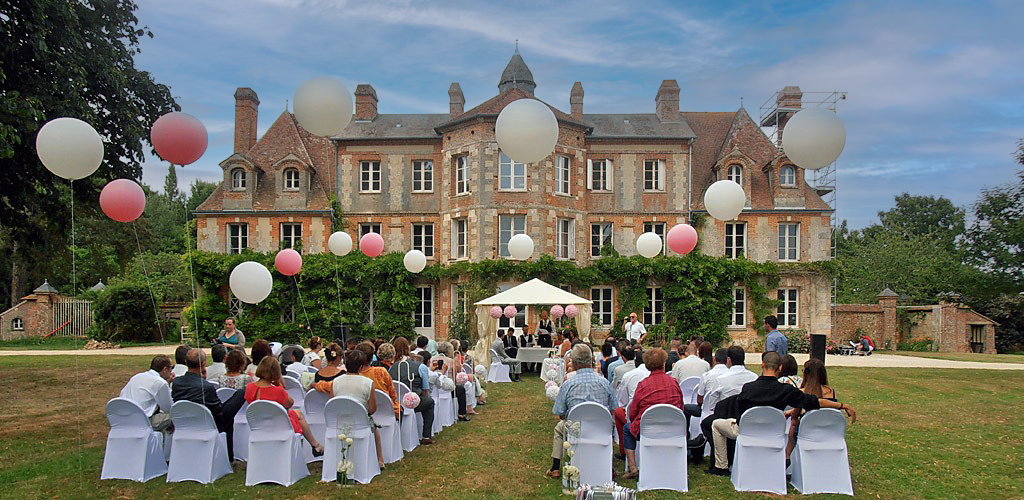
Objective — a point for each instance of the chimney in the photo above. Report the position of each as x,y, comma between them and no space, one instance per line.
456,101
576,101
788,103
246,110
366,102
667,102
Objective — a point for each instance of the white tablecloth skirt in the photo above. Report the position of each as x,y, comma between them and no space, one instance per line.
532,354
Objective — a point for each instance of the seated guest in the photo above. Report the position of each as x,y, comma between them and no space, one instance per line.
217,368
788,372
381,378
259,350
606,355
431,347
498,346
705,352
657,388
564,343
815,383
511,343
612,361
675,351
356,386
719,366
587,385
333,368
230,335
689,366
314,356
764,391
233,377
291,361
150,390
179,360
270,387
628,356
192,386
729,383
421,344
445,364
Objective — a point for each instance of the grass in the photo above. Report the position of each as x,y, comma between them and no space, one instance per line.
963,356
921,433
60,343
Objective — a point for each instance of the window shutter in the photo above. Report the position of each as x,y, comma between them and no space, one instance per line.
661,175
608,178
590,174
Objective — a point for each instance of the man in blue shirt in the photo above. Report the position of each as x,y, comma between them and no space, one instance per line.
585,385
775,341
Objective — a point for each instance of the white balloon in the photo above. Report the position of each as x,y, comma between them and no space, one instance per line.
323,106
526,131
724,200
520,247
251,282
340,243
649,245
415,261
814,138
69,147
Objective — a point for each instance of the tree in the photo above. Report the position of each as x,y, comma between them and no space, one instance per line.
924,215
995,240
171,191
68,58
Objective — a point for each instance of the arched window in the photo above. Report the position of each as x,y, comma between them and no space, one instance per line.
291,179
17,324
735,174
238,179
788,176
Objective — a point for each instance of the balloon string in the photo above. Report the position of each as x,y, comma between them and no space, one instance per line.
192,279
299,292
74,295
152,296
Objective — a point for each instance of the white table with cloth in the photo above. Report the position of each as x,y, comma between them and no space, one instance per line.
533,354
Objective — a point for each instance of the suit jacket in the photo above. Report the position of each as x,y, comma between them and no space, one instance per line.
528,340
510,341
194,388
544,339
499,347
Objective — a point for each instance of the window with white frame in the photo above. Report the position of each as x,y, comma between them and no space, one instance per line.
238,179
422,176
789,241
788,303
654,175
460,298
17,324
735,174
461,174
654,313
563,173
369,308
566,239
291,179
519,321
511,174
599,175
735,239
509,226
369,176
601,296
238,237
657,228
291,234
235,307
423,238
459,236
288,314
600,235
369,227
423,316
739,307
788,176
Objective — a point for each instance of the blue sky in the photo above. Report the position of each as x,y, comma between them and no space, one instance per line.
934,100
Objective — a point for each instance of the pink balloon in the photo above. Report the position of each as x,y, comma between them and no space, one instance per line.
123,200
571,311
371,244
557,311
179,138
288,262
682,238
496,312
510,312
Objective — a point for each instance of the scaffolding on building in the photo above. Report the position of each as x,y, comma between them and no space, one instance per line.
774,114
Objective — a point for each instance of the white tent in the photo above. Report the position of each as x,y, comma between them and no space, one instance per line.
533,292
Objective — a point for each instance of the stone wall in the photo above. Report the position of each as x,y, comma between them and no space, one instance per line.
947,324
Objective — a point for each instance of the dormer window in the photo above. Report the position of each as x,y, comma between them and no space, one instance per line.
735,174
291,179
788,176
238,179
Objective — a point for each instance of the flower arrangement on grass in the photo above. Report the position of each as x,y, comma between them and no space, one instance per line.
570,473
345,466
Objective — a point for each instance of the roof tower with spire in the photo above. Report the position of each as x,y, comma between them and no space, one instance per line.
517,75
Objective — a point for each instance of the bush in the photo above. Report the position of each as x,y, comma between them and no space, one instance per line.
798,341
124,313
925,345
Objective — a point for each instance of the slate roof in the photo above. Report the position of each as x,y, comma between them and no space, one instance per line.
635,125
394,126
493,106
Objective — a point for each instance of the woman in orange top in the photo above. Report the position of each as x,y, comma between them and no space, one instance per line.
379,375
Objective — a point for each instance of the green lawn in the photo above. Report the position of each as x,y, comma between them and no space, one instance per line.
963,356
59,343
921,433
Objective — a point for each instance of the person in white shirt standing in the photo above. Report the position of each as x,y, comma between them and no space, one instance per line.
690,366
634,330
218,352
151,390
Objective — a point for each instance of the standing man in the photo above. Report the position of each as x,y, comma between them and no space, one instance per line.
634,330
545,330
775,341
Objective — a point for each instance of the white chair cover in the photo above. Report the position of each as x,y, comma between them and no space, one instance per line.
760,461
410,436
296,370
499,372
314,404
663,447
312,369
593,447
240,439
199,452
390,433
214,383
275,348
346,414
225,393
275,450
470,394
689,388
821,463
295,390
134,450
